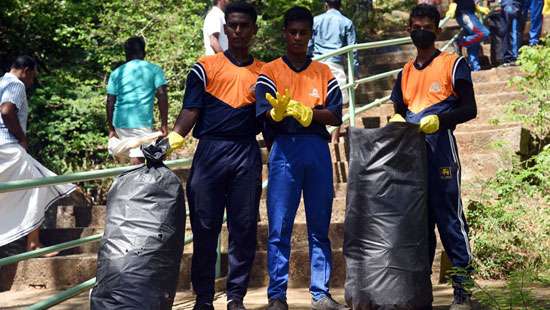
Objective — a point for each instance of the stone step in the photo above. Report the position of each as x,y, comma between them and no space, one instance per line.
512,137
62,272
53,236
488,88
496,74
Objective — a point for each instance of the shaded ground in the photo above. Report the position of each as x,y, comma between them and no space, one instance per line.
298,298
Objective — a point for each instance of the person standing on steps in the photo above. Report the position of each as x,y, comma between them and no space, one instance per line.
21,212
474,30
131,93
511,9
296,99
332,31
219,102
534,8
435,90
215,39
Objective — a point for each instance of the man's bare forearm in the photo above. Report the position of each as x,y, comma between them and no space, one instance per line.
162,97
8,112
215,43
186,120
326,117
110,107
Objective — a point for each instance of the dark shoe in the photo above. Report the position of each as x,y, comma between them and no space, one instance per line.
461,300
203,307
509,64
327,303
277,304
235,305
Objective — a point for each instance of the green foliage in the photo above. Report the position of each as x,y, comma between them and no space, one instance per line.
535,84
518,292
510,224
78,43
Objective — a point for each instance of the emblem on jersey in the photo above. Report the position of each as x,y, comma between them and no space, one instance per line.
435,88
315,93
445,173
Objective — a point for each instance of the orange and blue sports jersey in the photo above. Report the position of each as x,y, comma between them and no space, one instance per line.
223,91
428,90
313,85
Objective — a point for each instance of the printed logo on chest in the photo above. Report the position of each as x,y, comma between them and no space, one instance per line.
315,93
435,87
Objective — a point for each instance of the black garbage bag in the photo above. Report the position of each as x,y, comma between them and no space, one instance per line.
386,225
141,249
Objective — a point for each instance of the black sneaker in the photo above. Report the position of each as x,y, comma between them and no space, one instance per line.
235,305
327,303
203,306
461,300
277,304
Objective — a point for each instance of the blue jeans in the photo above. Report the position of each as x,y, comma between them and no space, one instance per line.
535,6
296,164
512,40
475,33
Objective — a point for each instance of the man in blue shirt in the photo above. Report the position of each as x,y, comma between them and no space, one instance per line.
131,93
332,31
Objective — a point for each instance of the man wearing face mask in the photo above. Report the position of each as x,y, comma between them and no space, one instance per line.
435,90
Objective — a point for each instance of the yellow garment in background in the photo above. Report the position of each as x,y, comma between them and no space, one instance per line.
546,10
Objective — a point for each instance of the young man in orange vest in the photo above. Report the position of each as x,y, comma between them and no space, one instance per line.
299,160
435,90
219,103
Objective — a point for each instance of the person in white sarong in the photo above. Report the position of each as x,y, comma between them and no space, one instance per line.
21,212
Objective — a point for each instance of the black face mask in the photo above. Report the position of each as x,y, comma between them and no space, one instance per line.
423,38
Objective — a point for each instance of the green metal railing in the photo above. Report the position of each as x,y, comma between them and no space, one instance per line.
107,173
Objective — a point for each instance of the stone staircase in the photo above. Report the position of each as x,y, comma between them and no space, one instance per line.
482,143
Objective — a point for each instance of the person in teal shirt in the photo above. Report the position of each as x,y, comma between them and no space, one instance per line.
131,93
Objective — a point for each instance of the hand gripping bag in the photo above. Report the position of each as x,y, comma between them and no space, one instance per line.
386,224
141,249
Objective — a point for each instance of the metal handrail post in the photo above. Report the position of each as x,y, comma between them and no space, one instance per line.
351,90
219,257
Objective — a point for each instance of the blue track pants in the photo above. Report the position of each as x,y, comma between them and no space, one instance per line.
444,201
226,175
299,164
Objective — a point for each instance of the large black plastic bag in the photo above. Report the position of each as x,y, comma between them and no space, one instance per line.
141,249
386,225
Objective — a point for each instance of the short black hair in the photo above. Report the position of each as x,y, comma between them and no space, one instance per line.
334,3
298,14
24,62
425,10
242,7
134,47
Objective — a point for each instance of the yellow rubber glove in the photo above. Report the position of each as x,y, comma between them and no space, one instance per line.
279,105
451,12
482,10
302,113
429,124
397,118
175,140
